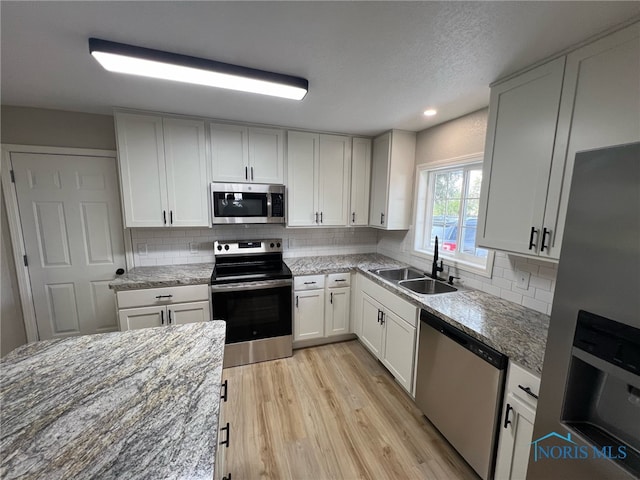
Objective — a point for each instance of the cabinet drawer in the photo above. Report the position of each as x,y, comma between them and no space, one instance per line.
520,380
149,296
338,280
308,282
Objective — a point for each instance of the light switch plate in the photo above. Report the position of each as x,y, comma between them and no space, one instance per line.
522,279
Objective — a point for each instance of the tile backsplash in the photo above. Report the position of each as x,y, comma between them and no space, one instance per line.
152,246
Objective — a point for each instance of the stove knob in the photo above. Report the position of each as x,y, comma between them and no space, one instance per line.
278,244
272,245
219,247
226,247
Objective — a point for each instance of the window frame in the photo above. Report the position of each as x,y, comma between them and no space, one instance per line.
424,197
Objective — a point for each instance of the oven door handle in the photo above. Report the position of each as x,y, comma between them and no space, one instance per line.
236,287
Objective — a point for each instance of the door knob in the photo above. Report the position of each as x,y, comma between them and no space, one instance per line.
120,271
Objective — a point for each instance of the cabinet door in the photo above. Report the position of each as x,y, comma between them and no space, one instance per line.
515,440
308,315
187,179
379,180
142,169
266,155
371,335
182,313
399,347
360,181
229,153
600,107
333,180
336,311
302,170
143,317
521,132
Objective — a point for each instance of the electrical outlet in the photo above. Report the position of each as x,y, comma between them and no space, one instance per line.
142,249
193,248
522,279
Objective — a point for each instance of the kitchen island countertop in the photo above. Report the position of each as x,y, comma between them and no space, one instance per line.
135,404
163,276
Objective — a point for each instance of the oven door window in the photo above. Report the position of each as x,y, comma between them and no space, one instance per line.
233,204
254,314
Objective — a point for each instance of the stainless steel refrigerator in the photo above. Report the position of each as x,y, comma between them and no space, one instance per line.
588,417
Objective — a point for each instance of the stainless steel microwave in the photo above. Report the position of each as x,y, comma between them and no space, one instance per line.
247,203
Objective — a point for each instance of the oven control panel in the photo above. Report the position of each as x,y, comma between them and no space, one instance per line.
236,247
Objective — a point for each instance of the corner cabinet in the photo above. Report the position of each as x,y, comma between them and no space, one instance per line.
318,179
537,122
392,175
241,154
163,171
387,328
516,428
360,181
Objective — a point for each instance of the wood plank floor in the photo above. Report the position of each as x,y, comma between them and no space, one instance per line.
330,412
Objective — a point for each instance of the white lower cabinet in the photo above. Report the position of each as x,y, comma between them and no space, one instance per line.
387,328
156,307
322,306
516,429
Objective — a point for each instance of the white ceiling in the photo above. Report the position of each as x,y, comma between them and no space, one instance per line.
371,66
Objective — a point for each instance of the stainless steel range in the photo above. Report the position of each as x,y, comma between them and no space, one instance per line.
252,290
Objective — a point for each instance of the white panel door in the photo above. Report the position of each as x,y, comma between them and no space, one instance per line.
371,335
72,227
302,169
266,155
399,348
333,180
600,107
337,309
142,169
379,180
183,313
360,181
187,179
143,317
229,153
308,315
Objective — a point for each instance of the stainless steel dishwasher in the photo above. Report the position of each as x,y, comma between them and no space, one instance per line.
459,387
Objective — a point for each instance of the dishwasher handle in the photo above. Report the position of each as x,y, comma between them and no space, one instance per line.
487,353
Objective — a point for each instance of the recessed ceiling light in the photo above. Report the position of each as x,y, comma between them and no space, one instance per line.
122,58
430,113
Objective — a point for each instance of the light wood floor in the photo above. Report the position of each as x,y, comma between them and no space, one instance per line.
330,412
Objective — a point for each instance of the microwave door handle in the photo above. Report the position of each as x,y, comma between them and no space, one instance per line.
269,205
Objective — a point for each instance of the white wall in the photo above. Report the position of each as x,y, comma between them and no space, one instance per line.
163,246
457,138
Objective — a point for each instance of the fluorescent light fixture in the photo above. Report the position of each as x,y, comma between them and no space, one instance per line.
430,113
122,58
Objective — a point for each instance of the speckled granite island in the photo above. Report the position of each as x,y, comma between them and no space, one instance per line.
518,332
136,404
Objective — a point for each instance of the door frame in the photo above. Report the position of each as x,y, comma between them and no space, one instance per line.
15,222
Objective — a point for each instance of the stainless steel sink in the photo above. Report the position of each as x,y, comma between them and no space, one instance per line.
398,274
427,286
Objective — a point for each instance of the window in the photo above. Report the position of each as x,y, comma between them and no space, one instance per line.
447,207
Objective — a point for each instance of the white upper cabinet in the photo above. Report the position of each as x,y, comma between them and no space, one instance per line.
318,179
360,181
538,121
162,170
392,174
520,138
241,154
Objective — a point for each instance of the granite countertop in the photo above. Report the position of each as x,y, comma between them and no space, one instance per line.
518,332
163,276
135,404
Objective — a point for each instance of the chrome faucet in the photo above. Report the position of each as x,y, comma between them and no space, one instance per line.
435,268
